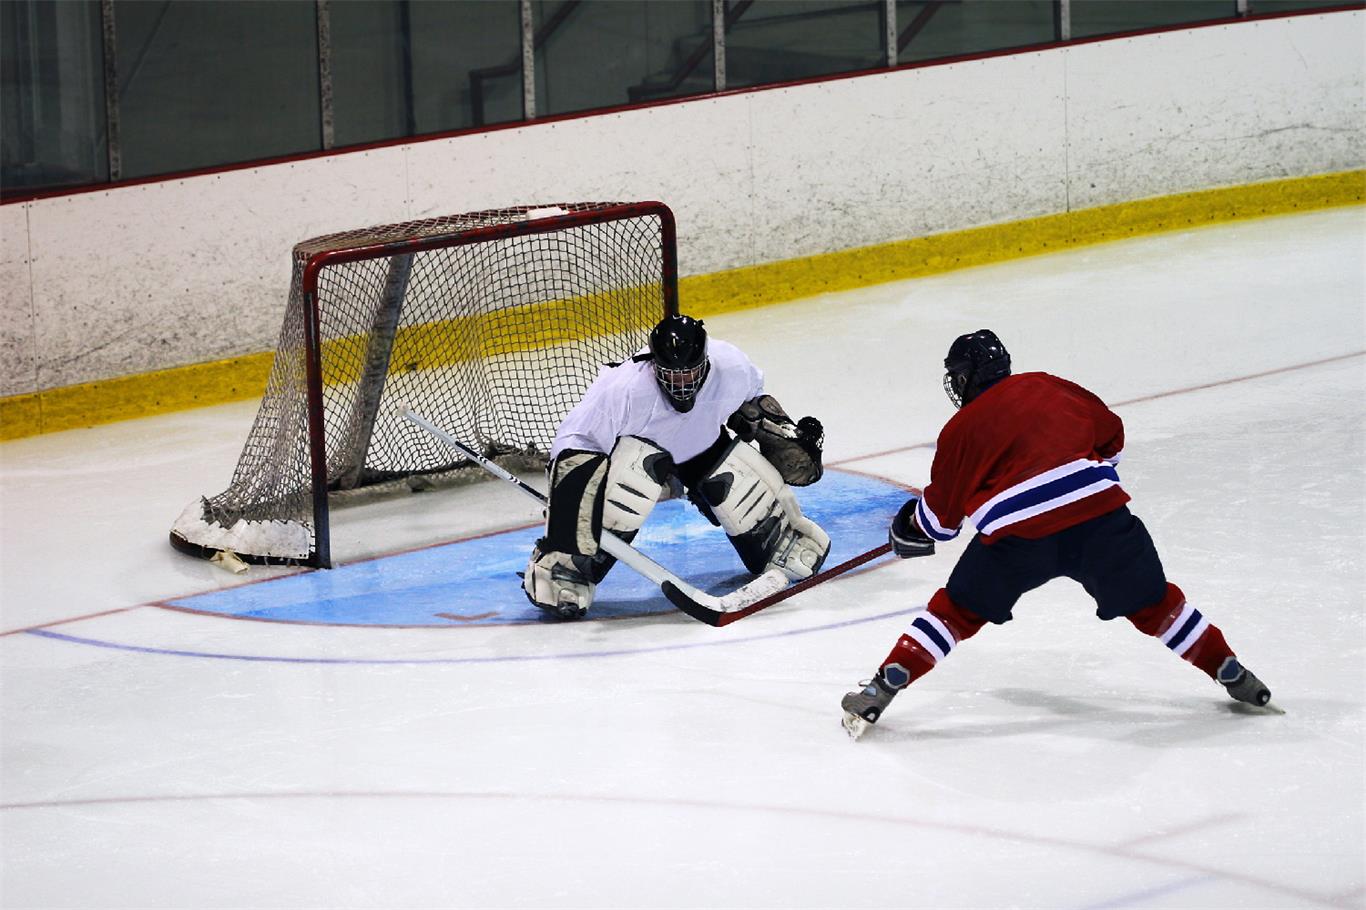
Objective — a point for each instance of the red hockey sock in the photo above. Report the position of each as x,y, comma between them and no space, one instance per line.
932,635
1185,630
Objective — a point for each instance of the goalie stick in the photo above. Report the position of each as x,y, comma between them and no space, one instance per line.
687,598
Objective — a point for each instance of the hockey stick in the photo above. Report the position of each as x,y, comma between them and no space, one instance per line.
690,600
726,617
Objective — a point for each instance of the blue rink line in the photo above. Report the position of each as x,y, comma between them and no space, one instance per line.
475,582
503,658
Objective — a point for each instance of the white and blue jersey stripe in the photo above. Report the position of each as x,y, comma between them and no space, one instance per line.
1185,630
1039,494
931,633
1044,492
930,524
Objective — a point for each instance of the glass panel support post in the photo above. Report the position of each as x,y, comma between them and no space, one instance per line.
889,30
718,44
1062,19
528,61
326,122
113,147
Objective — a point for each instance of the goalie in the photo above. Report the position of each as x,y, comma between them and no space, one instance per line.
657,422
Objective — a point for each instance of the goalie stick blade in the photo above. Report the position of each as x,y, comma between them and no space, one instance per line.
730,613
728,607
687,605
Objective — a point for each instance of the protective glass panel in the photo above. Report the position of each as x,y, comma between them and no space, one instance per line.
52,125
928,30
784,40
603,53
1296,6
405,69
215,82
1104,17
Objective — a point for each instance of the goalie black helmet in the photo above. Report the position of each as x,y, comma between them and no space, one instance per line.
975,362
678,347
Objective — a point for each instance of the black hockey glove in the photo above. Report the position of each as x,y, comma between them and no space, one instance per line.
760,414
793,448
905,536
811,437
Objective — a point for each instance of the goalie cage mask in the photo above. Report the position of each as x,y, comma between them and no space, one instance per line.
678,347
975,362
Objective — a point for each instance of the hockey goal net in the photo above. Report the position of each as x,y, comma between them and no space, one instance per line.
491,324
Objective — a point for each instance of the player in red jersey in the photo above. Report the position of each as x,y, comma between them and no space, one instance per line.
1030,460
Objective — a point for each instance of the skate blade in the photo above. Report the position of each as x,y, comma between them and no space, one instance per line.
855,726
1270,707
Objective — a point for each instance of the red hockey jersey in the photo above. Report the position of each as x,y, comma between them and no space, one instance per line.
1030,456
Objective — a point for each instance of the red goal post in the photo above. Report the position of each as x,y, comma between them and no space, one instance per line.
492,323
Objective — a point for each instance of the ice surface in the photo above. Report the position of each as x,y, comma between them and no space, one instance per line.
151,757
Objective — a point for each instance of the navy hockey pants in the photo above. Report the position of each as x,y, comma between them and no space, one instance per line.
1112,556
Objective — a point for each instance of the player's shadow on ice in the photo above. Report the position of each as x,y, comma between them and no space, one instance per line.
1154,722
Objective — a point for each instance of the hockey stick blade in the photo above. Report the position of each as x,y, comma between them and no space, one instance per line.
714,611
737,610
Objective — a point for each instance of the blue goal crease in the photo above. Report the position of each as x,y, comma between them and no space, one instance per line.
475,582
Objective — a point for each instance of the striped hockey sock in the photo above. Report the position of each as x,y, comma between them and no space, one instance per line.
933,633
1184,630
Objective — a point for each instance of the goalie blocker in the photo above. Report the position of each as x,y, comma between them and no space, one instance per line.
735,486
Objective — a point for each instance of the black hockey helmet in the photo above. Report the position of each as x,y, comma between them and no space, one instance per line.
975,362
678,347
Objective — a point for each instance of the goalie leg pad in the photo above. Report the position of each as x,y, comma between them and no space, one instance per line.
637,475
758,512
802,549
574,515
558,578
559,583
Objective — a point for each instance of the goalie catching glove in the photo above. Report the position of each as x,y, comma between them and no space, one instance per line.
794,449
905,536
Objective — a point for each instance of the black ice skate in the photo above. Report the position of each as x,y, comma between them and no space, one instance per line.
565,609
1242,684
864,707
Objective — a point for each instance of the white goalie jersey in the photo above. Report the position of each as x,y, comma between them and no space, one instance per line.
625,400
